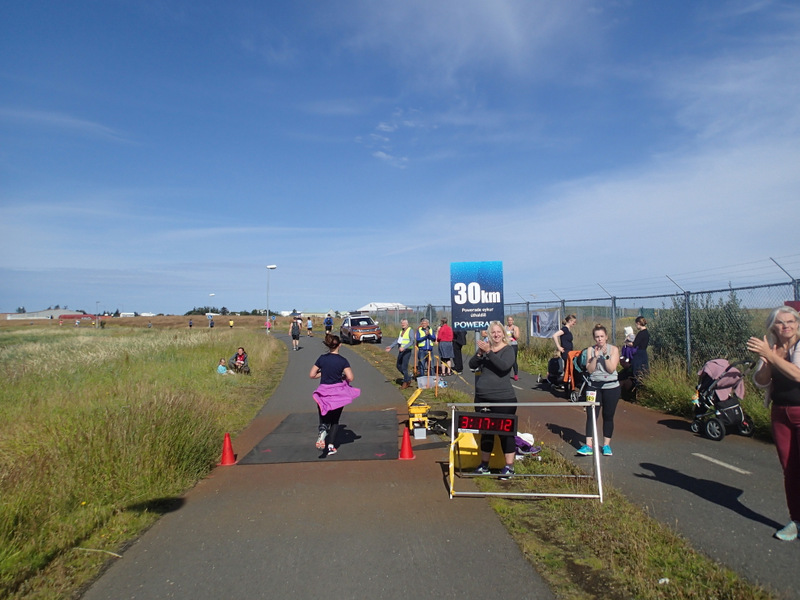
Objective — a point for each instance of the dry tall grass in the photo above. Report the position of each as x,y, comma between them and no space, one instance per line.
98,426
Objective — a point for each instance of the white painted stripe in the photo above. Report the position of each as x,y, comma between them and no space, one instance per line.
721,464
516,387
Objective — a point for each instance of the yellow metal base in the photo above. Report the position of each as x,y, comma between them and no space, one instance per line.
469,455
417,411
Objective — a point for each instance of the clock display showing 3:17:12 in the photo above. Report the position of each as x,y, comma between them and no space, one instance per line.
483,423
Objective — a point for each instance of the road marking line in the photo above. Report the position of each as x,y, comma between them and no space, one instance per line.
721,464
516,387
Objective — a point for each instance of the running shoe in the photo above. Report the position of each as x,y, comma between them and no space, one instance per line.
607,450
507,473
321,440
585,450
788,533
483,469
332,449
516,378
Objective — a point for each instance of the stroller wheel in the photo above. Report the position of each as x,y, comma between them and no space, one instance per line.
695,426
746,428
714,429
574,396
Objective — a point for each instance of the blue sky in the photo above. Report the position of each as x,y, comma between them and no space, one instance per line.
153,153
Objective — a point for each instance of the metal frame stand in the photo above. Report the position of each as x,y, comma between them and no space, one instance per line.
455,436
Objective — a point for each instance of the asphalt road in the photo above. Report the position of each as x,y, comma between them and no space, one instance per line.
348,529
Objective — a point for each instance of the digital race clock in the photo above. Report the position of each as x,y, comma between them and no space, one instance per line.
487,423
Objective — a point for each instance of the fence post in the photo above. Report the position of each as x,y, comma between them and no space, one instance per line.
688,318
614,320
528,324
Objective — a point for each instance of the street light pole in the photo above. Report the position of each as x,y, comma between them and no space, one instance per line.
269,268
96,315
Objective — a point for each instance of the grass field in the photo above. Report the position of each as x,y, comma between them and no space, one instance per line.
103,430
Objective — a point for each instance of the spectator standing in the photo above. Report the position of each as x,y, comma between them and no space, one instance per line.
512,333
640,363
425,339
601,364
494,360
563,337
444,338
405,349
459,341
778,371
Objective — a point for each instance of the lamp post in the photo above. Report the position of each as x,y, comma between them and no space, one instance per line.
96,315
269,268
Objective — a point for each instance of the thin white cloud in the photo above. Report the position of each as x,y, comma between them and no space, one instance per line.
60,121
437,43
400,162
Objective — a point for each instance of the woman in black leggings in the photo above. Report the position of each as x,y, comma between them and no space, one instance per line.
601,364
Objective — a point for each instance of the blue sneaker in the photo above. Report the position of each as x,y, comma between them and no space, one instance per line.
483,469
585,450
507,473
607,450
788,533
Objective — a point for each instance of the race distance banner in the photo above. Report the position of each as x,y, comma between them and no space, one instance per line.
476,290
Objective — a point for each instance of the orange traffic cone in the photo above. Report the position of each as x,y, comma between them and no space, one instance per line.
228,457
406,452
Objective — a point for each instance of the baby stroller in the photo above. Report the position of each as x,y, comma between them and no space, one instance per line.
565,378
580,377
720,387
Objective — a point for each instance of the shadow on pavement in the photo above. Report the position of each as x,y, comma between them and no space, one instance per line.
723,495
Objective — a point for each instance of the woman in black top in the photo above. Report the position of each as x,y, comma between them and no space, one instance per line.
778,371
640,364
333,393
563,337
493,363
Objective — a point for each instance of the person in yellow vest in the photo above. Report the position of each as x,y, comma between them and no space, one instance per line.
425,339
405,346
230,323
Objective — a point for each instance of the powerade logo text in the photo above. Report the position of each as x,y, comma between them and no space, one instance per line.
477,325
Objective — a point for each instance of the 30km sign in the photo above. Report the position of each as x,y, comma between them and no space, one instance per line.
476,294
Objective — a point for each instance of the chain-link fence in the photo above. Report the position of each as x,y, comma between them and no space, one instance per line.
691,326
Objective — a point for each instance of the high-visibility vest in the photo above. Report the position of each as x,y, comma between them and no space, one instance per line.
424,344
404,339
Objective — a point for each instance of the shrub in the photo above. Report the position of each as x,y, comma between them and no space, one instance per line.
717,329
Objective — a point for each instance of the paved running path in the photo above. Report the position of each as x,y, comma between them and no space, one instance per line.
347,529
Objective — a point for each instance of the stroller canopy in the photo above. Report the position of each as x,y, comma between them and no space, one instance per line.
728,379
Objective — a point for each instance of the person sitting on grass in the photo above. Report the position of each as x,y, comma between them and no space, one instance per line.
222,368
238,362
